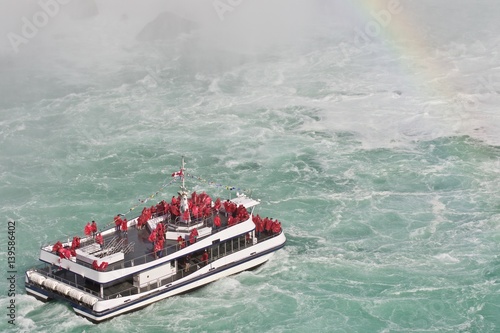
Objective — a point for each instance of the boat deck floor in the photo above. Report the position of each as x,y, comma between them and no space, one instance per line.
142,249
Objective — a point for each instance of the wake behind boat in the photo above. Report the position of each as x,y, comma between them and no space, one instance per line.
169,249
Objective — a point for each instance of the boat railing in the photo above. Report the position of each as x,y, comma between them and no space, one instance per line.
86,241
127,292
177,222
142,259
150,256
112,245
167,219
45,273
183,272
145,258
128,248
83,242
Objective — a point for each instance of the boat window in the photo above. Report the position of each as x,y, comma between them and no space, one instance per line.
215,250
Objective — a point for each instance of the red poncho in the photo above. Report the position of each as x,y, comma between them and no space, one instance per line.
217,204
57,246
217,221
118,221
99,239
88,229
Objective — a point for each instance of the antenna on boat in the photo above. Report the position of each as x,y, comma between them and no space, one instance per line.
183,194
183,186
182,173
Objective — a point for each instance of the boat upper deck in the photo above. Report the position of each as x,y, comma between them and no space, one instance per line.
155,238
136,246
133,247
184,264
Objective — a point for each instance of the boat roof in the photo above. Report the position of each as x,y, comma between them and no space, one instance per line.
245,201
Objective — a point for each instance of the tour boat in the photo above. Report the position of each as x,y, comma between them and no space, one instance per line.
170,248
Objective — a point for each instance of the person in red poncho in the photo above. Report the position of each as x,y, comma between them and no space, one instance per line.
158,248
268,222
88,229
159,209
140,221
144,217
204,258
118,222
207,211
217,222
75,243
192,236
180,242
94,228
259,226
99,267
99,240
226,205
217,205
231,208
186,216
57,246
125,226
276,227
241,213
64,253
166,209
196,211
174,210
206,199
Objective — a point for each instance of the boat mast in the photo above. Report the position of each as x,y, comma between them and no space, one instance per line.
184,206
182,174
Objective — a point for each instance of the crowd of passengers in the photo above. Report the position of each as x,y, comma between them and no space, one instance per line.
200,207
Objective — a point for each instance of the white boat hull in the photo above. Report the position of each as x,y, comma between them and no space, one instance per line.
229,265
180,290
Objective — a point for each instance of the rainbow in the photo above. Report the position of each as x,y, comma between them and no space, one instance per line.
390,22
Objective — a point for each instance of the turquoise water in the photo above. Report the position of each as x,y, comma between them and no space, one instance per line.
388,193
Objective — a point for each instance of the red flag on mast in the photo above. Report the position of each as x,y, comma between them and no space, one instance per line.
178,173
